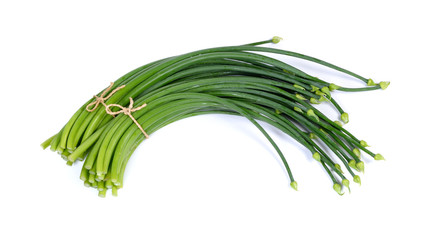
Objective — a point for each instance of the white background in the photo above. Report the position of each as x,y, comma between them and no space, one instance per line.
209,177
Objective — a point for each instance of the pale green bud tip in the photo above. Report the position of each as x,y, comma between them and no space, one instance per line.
298,109
384,85
356,152
326,90
370,82
364,144
316,156
299,87
320,93
337,166
344,117
338,188
294,185
299,96
314,88
356,179
360,166
277,111
338,123
276,39
323,99
352,164
379,157
312,136
346,183
333,87
314,101
311,114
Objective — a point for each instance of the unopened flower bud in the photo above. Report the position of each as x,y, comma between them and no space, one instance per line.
326,90
338,123
316,156
276,39
299,87
384,85
379,157
370,82
337,166
314,88
346,183
297,109
300,97
294,185
344,117
333,87
360,166
311,114
338,188
356,152
356,179
314,101
352,164
364,143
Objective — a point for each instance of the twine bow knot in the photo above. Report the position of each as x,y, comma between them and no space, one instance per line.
127,111
101,99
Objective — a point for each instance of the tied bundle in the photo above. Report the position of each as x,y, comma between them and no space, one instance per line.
233,80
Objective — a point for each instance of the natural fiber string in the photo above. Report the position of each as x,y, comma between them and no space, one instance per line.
102,99
127,111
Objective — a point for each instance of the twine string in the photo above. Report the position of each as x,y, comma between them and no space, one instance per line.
127,111
101,99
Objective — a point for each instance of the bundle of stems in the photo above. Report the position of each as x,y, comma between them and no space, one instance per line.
234,80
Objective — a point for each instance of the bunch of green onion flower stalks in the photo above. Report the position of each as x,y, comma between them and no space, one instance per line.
235,80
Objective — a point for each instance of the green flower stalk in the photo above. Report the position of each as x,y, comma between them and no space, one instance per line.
247,80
